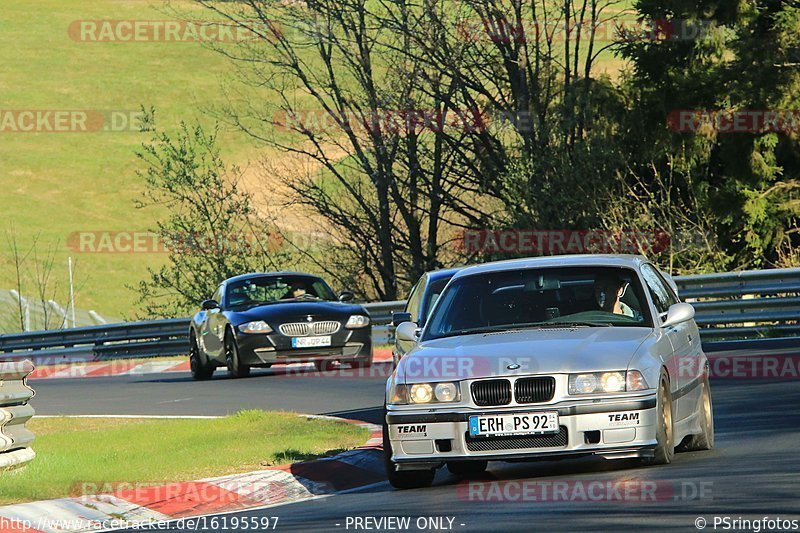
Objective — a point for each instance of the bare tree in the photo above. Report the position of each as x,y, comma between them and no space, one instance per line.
19,263
210,233
390,178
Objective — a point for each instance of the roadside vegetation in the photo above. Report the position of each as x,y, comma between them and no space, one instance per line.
426,121
321,144
99,454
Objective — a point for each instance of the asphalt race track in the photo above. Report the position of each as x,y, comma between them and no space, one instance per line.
753,473
300,389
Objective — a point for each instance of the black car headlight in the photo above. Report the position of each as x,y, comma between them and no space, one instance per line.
357,321
258,326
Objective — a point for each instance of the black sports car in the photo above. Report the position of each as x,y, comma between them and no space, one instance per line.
258,320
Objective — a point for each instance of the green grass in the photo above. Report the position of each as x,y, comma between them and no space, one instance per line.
59,183
72,452
56,184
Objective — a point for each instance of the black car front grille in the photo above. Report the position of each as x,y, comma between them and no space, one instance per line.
491,392
489,444
534,390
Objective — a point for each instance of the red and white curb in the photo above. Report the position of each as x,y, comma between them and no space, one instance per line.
138,368
275,486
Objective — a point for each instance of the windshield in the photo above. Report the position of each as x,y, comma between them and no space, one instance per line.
269,289
540,298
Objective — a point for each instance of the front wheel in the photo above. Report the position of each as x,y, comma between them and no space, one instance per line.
200,368
362,363
665,447
324,365
404,479
704,440
235,367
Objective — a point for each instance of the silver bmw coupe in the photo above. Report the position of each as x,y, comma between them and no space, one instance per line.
548,357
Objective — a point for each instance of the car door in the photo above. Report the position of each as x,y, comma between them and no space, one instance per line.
679,336
213,329
414,308
692,364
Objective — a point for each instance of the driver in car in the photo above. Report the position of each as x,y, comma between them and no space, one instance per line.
608,291
296,290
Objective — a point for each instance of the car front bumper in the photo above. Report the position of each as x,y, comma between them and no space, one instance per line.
611,429
346,346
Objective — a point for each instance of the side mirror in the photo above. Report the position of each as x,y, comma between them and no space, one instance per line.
678,313
400,317
346,296
208,305
407,331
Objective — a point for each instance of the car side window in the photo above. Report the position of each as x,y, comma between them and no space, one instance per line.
218,295
662,296
673,296
414,304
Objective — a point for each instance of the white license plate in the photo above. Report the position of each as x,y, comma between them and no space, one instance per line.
513,424
311,342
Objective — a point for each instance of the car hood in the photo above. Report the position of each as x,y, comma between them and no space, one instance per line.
548,351
296,311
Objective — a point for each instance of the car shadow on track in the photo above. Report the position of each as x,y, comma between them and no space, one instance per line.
379,371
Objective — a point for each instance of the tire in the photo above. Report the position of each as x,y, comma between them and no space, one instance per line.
325,365
406,479
665,434
468,469
235,367
704,440
362,363
200,368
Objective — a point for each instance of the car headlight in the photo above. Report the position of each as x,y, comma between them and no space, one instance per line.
423,393
605,382
357,321
258,326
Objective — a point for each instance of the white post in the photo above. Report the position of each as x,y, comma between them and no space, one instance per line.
71,292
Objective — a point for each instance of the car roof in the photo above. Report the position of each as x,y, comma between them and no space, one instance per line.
435,275
242,277
598,260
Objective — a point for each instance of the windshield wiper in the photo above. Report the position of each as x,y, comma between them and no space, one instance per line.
576,324
305,297
477,331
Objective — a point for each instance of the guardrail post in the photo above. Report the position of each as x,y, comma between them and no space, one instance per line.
15,412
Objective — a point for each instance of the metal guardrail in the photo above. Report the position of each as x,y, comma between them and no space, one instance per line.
154,338
15,438
735,310
757,309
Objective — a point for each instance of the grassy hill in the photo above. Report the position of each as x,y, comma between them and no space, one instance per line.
58,186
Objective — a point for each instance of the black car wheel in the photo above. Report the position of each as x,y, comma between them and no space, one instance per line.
201,369
366,362
325,365
235,367
404,479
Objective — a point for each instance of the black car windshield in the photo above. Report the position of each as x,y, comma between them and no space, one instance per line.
540,298
270,289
